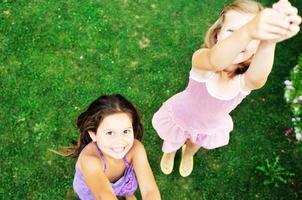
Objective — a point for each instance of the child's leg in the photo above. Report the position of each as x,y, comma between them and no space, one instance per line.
167,160
191,149
131,197
188,152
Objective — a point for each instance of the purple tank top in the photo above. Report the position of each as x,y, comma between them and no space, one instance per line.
125,186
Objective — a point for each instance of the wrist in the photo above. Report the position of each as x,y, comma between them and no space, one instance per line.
268,43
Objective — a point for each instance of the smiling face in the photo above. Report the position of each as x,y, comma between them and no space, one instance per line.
233,21
114,135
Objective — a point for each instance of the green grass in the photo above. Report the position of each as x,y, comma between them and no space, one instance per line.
58,56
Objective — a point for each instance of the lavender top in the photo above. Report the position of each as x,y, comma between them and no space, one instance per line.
125,186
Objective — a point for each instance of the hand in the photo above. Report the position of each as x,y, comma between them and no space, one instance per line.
269,24
290,14
281,4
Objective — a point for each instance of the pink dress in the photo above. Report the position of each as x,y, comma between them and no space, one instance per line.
197,115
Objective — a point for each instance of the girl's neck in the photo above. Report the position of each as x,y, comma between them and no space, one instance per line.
224,75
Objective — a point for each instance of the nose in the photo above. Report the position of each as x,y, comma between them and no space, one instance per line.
119,137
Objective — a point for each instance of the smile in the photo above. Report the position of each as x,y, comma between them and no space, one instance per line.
118,149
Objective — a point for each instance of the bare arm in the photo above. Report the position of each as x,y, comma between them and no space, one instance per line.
267,25
98,183
256,76
146,180
220,56
224,53
262,63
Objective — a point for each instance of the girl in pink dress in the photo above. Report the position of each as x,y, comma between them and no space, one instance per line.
237,58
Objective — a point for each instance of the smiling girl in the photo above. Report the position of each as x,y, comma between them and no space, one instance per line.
111,159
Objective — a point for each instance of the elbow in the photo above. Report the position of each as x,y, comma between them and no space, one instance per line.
257,84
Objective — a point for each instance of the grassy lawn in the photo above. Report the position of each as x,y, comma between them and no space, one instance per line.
58,56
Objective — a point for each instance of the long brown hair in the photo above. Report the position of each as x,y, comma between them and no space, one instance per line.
243,6
90,119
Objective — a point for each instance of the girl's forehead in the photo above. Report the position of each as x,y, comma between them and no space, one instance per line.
117,120
237,19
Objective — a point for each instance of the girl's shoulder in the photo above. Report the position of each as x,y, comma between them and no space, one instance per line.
89,150
137,146
135,150
201,60
90,160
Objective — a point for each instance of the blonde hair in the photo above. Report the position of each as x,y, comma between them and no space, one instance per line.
243,6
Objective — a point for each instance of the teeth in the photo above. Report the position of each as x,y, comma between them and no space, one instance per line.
118,149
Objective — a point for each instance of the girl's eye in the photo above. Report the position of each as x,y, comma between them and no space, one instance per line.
109,133
126,131
230,30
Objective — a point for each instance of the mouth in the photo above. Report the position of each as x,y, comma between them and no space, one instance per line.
118,149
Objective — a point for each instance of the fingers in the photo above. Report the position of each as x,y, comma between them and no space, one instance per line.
286,25
276,19
285,8
281,4
289,11
294,20
293,30
284,3
277,30
272,25
279,20
277,7
271,36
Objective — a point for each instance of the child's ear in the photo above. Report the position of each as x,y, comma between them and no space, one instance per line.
92,135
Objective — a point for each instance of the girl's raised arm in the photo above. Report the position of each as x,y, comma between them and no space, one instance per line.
222,54
92,170
145,178
255,77
266,25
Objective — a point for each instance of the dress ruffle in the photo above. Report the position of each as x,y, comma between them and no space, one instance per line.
174,131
